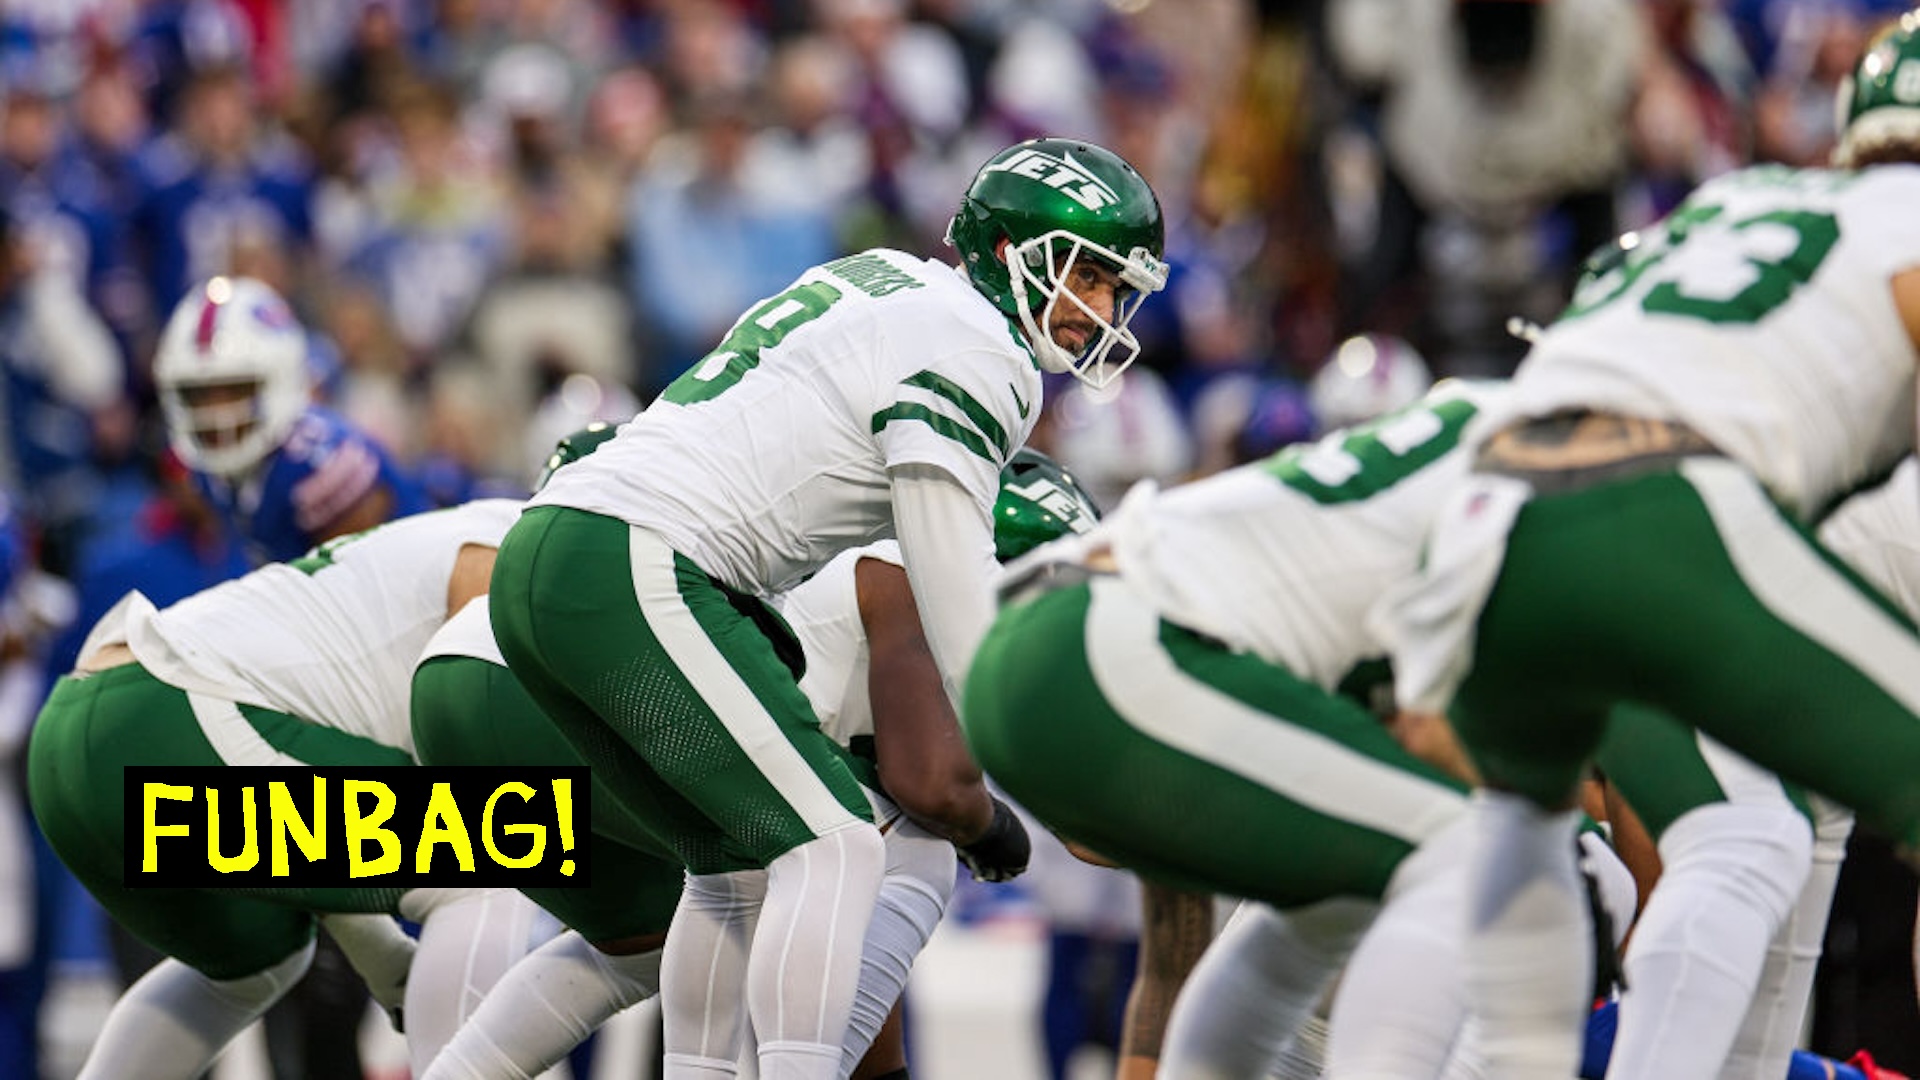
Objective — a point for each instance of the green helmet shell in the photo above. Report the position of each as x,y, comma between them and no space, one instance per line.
1606,258
1039,501
1045,185
1880,104
1610,268
572,448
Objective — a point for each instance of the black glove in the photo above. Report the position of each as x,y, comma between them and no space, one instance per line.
1002,851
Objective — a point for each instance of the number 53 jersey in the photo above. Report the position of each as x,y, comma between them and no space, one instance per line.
1283,558
770,455
1760,313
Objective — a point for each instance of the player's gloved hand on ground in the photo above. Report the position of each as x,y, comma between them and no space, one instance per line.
1001,853
1608,972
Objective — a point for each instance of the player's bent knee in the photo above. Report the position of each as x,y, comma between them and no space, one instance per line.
1763,851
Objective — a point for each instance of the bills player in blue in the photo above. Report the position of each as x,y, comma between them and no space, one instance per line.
235,388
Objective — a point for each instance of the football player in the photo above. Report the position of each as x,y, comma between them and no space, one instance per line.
232,377
307,662
1731,852
880,394
1187,656
877,692
1636,531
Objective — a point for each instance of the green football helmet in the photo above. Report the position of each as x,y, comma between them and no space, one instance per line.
572,448
1880,104
1039,501
1053,200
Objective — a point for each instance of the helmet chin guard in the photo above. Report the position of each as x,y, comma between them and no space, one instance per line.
1038,272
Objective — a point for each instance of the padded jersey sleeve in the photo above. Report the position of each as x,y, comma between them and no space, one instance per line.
1876,212
946,539
964,413
824,613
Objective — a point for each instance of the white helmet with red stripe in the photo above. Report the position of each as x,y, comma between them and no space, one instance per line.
231,373
1367,375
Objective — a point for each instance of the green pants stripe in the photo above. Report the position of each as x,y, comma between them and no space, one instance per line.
670,688
1665,769
93,727
1190,763
1690,592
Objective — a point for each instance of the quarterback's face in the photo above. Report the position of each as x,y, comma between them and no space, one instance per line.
1099,288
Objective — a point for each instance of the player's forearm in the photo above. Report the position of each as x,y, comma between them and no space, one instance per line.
950,805
924,762
926,769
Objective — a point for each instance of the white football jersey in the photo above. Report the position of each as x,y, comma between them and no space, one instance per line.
770,456
468,633
825,616
1878,534
1760,314
331,637
1283,558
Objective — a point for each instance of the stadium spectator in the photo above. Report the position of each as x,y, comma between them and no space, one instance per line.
218,172
1493,117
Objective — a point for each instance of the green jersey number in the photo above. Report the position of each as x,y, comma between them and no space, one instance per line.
321,556
1358,463
1777,252
739,352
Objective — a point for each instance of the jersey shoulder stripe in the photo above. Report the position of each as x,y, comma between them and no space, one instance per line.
941,424
981,417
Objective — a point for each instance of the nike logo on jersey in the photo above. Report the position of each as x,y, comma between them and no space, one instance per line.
1018,403
1063,174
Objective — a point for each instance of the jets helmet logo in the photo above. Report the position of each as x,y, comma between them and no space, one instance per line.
1064,175
1906,82
1055,500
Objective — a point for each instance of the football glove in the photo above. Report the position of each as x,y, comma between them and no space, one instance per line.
1002,851
1608,972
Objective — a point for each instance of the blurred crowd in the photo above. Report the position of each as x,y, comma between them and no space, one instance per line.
499,219
499,216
